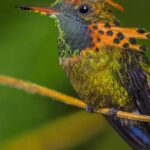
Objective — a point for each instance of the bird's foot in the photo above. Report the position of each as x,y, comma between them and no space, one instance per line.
112,114
90,108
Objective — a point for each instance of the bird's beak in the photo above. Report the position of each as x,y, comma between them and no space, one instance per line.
43,11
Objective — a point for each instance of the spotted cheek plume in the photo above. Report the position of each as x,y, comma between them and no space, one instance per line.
110,35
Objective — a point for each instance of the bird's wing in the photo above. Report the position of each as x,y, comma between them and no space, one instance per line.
136,135
124,39
140,91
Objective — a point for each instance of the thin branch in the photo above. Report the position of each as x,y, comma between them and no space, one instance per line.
36,89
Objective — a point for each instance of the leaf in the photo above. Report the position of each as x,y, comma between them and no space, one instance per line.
60,134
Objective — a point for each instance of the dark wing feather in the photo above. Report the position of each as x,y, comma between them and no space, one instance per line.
140,90
136,83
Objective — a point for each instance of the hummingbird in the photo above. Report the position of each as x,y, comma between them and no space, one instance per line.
104,62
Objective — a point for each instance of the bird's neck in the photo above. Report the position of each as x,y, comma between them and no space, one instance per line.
73,36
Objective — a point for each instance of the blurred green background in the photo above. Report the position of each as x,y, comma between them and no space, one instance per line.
28,50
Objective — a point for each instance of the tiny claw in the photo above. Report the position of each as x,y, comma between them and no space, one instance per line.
90,108
112,114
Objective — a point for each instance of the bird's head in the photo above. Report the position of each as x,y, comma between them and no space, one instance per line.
75,16
87,10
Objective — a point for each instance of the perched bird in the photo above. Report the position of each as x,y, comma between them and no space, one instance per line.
104,63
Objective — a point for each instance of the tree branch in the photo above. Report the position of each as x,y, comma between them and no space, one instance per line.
36,89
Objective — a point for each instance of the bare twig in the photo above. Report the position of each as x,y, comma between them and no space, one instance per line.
36,89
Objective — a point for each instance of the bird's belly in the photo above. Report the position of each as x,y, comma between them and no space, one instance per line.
93,80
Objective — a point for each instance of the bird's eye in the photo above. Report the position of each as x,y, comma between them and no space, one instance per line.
84,9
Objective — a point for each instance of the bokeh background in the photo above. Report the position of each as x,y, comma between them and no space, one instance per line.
28,50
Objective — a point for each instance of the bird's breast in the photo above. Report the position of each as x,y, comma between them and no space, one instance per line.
95,75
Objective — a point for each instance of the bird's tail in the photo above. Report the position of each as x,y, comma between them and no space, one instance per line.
136,135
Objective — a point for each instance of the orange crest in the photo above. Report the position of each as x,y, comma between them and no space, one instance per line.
72,1
116,5
110,2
